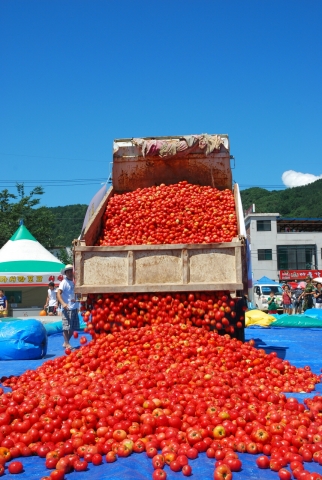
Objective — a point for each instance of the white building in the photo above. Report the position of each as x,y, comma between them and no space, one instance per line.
284,248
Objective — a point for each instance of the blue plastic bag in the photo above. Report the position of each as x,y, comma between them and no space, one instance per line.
22,340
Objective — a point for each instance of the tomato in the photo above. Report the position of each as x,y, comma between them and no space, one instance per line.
187,470
159,474
97,459
192,453
284,474
63,465
15,467
111,457
222,472
234,464
51,462
57,475
80,465
262,461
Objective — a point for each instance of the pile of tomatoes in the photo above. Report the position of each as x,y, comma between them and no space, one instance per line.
113,312
180,213
169,392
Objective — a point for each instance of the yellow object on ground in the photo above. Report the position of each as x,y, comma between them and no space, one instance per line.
257,317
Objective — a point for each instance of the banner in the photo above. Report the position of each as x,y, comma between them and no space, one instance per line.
25,280
299,274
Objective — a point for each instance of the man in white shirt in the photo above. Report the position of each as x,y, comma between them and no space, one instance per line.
69,305
51,302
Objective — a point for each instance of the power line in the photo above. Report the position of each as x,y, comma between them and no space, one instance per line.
53,183
53,158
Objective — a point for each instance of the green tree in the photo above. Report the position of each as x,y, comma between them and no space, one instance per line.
68,223
65,257
16,208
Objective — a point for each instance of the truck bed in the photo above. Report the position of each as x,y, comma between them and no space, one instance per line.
161,268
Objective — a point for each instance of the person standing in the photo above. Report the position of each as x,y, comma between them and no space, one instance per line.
3,304
297,302
272,305
51,302
318,296
287,300
307,295
69,305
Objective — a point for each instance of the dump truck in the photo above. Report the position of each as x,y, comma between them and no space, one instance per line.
145,162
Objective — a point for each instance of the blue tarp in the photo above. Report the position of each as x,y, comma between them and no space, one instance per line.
300,346
314,312
22,340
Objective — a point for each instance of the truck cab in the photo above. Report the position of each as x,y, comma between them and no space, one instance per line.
261,292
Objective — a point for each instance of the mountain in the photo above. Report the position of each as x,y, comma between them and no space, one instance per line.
68,223
302,202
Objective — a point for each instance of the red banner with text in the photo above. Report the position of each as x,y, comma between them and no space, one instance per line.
299,274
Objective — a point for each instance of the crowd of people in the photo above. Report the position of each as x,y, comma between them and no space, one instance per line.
298,299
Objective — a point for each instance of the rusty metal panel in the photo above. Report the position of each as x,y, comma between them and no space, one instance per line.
132,169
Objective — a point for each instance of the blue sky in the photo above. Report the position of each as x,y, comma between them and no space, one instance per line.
76,74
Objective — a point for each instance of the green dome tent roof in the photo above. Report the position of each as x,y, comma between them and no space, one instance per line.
24,254
22,234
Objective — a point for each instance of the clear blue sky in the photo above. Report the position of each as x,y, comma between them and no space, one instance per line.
76,74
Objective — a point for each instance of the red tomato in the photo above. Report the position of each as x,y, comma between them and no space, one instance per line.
111,457
262,461
223,472
159,474
80,465
15,467
187,470
57,475
284,474
97,459
234,464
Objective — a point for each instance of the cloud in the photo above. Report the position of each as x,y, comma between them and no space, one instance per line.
290,178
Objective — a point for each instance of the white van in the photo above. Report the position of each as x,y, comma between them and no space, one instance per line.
260,295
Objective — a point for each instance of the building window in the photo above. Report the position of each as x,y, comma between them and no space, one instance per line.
264,254
263,225
299,257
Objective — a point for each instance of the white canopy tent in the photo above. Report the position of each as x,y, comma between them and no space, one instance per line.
26,268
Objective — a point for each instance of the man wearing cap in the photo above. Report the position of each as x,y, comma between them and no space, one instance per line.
66,297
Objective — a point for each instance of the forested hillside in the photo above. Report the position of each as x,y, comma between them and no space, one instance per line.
303,201
68,223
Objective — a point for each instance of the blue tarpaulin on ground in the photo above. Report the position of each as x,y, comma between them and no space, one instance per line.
300,346
22,340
